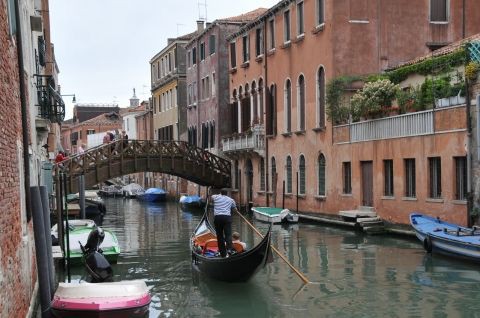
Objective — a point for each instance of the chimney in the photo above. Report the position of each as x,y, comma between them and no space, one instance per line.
200,26
208,24
170,41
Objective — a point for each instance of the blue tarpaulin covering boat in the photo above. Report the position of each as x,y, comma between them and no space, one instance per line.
153,195
440,236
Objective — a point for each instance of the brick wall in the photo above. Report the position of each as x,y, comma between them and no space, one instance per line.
17,264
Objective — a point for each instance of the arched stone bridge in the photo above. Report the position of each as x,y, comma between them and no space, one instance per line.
123,157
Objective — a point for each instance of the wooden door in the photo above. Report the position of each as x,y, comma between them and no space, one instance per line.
367,183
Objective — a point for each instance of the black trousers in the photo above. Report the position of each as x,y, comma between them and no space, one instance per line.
223,227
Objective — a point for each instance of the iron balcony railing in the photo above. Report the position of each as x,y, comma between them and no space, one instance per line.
250,141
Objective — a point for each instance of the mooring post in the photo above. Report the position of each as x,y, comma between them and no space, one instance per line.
81,192
48,237
41,253
67,227
283,195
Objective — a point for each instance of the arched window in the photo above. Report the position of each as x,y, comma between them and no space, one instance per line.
301,103
288,173
271,126
288,106
321,97
254,112
302,175
273,168
262,174
321,175
260,99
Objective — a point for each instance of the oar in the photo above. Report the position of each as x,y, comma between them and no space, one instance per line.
302,277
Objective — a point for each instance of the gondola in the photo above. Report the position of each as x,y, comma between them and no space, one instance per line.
238,267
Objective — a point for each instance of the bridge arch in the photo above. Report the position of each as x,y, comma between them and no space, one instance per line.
124,157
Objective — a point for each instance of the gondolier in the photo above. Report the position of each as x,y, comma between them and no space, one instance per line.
222,210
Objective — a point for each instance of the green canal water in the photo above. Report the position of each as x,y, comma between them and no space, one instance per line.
353,275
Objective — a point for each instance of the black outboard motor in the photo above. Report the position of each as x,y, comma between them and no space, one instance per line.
95,262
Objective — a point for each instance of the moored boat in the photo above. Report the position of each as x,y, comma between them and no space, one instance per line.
274,215
440,236
117,299
109,246
131,190
153,195
238,267
192,201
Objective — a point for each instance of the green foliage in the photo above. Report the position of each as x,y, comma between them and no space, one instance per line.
337,111
374,98
471,70
435,65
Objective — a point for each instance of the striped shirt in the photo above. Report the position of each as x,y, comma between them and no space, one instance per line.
222,204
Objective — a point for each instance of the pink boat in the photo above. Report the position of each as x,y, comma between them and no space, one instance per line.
117,299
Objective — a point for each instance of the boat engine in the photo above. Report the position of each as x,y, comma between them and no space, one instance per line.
95,262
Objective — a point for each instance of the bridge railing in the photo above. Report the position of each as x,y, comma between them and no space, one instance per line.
120,150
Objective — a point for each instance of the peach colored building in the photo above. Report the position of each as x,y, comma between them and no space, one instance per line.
279,67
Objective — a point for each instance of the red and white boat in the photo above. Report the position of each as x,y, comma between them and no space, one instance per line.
116,299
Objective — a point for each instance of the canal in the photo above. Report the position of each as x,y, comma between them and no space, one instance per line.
353,275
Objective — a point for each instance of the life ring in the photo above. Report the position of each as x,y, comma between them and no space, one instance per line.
427,244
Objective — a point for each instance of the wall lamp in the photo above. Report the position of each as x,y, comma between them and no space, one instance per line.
74,100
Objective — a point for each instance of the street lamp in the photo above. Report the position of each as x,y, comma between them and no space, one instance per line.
73,99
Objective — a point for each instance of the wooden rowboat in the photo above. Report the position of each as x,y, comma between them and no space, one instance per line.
238,267
439,236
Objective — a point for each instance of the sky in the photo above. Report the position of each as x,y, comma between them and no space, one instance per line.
103,47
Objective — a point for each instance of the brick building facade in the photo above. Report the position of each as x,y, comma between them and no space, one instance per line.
280,65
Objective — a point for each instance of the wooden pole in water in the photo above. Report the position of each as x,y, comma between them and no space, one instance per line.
302,277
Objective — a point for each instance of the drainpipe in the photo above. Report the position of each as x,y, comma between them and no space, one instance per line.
265,85
24,110
469,153
463,19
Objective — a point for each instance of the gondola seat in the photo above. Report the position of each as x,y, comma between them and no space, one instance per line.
210,245
238,247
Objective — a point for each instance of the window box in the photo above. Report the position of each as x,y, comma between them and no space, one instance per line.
319,129
300,132
287,134
320,197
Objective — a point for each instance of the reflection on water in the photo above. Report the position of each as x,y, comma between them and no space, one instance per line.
353,275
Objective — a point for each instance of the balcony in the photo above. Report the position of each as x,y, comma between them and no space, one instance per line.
252,141
440,120
50,102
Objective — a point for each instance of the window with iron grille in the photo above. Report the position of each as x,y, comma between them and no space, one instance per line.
321,175
211,44
347,178
410,183
233,55
262,174
435,177
388,178
288,170
320,12
273,168
300,21
286,26
460,178
246,53
302,176
439,10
